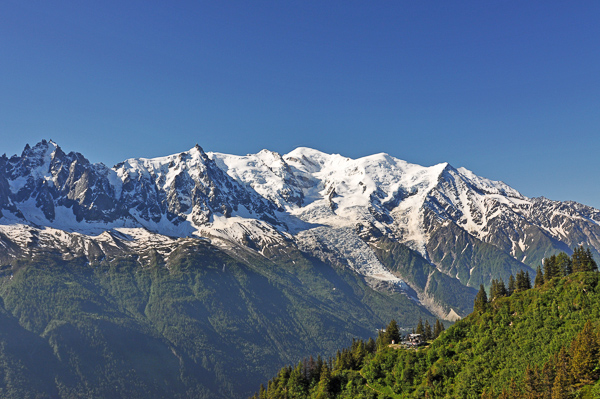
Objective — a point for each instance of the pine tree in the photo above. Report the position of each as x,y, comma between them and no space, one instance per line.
428,334
437,330
583,260
324,386
564,264
392,333
560,388
481,300
547,378
523,281
297,384
493,289
551,269
420,328
512,285
585,350
577,259
539,277
502,291
532,382
262,394
370,346
591,265
527,281
497,289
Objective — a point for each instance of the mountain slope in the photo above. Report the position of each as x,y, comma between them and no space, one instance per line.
325,205
318,245
537,343
208,324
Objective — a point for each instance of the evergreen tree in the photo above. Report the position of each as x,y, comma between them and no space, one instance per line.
493,289
481,300
591,265
551,268
564,264
560,387
437,330
497,289
539,277
324,386
297,384
576,260
512,285
262,394
527,281
502,291
547,378
420,328
370,346
312,372
392,333
523,281
380,342
583,260
428,334
532,382
585,350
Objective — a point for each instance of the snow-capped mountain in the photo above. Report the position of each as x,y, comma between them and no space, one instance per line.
341,210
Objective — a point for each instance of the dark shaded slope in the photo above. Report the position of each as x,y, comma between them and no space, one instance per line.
199,324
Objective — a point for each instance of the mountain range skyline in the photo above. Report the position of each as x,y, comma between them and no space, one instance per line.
508,90
464,228
172,253
199,144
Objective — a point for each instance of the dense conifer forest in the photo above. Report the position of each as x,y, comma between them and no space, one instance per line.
519,342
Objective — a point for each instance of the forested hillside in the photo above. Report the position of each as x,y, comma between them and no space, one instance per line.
521,342
200,324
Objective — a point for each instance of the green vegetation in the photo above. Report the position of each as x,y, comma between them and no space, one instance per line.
518,343
199,324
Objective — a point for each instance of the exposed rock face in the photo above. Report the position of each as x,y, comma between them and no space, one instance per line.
465,227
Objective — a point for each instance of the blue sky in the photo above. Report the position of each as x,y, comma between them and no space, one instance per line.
508,89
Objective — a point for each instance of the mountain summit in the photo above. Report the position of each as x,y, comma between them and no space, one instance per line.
198,274
349,212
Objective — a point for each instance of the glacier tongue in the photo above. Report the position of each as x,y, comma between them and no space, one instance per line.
349,248
323,202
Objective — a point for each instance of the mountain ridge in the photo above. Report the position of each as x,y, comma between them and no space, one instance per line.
219,269
326,204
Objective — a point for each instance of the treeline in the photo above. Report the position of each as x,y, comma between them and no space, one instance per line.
560,265
498,289
322,378
392,335
426,331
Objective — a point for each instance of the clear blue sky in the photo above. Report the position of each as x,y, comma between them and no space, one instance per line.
508,89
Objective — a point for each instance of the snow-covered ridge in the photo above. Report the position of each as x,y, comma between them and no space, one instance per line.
258,200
